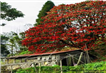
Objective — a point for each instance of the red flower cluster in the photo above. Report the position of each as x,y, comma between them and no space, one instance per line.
72,25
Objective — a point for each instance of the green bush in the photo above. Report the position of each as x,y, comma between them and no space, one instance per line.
25,52
86,68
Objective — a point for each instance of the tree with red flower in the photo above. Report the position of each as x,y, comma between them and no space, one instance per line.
69,25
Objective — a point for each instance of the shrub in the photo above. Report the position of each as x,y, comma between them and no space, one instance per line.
88,68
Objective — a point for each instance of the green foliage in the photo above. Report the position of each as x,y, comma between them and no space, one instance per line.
28,70
9,13
24,52
86,68
88,0
15,43
22,36
46,7
4,38
4,50
21,53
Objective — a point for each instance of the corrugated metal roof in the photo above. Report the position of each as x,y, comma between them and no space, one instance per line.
40,54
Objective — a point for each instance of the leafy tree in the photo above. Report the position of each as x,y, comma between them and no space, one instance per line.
4,50
75,25
11,42
43,12
15,42
8,13
22,34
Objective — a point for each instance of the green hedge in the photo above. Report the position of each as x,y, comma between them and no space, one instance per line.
98,67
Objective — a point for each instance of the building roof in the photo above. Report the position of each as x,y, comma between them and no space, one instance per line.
41,54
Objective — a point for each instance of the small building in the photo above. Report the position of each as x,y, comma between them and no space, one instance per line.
66,58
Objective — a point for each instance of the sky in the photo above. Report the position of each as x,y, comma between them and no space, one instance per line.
30,8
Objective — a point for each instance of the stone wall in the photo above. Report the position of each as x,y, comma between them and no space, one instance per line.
45,60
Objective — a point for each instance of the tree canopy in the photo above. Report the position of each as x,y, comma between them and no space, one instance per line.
8,13
46,7
75,25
